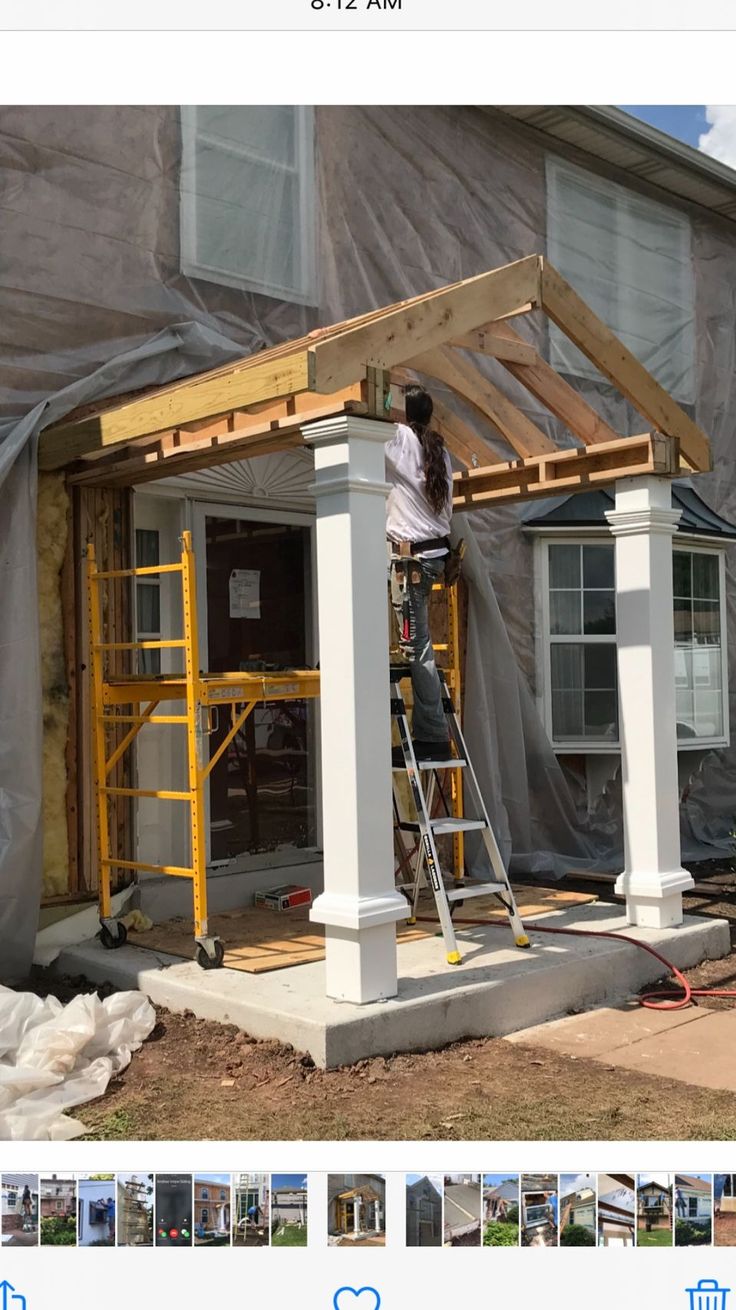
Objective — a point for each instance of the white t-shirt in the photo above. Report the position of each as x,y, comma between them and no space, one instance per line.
409,516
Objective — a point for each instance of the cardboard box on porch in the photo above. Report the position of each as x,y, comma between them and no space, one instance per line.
284,898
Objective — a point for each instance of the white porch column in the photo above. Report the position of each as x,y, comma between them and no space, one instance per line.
356,1214
360,905
643,524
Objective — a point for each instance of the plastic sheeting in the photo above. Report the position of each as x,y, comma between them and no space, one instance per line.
54,1057
98,296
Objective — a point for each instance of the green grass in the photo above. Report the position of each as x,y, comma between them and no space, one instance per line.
290,1235
116,1126
657,1237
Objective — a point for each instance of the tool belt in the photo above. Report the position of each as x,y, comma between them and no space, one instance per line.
404,549
453,560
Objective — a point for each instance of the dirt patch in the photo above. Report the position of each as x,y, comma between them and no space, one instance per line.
197,1080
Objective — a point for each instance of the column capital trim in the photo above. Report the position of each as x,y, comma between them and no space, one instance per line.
341,485
343,427
636,522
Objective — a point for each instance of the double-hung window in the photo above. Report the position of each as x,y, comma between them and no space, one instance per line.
582,705
630,258
247,198
700,668
578,612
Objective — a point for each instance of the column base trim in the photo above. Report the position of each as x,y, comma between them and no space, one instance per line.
359,912
653,886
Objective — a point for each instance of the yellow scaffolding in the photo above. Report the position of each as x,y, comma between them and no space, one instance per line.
141,695
130,703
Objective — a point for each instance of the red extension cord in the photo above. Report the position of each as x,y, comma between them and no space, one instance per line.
650,1000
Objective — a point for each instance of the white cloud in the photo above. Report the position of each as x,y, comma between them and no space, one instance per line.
720,139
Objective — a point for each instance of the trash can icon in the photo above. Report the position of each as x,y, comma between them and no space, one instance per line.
708,1295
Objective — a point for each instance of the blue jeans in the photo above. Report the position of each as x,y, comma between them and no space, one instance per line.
429,722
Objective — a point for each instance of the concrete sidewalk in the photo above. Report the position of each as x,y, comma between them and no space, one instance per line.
695,1046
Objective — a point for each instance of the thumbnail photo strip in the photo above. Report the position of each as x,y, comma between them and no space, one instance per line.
141,1209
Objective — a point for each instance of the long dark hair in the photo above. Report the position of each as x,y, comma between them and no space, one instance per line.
419,411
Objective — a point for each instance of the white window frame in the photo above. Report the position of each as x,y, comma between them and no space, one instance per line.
152,582
696,546
544,639
557,171
306,234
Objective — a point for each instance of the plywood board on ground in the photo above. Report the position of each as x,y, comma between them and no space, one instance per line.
532,902
255,940
258,940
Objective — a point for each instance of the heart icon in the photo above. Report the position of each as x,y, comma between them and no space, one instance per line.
356,1298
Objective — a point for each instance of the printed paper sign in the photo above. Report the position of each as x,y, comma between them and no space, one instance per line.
245,594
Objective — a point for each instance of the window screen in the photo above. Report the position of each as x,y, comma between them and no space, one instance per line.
247,198
630,258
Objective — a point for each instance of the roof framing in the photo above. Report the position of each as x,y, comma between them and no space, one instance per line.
261,403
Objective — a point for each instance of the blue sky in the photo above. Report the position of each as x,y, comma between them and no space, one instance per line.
288,1180
710,128
495,1180
686,122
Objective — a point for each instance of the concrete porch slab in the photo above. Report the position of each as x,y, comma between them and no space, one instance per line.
497,990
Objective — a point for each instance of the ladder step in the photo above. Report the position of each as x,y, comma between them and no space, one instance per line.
475,889
440,827
425,765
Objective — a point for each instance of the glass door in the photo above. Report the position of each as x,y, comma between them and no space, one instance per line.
256,605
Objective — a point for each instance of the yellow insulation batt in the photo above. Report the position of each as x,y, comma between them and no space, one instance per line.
52,532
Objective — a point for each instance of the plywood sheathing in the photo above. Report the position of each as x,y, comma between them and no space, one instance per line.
260,403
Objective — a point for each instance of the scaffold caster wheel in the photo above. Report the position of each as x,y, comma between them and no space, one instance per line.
207,961
112,940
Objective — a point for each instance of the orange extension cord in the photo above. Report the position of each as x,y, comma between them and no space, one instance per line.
650,1000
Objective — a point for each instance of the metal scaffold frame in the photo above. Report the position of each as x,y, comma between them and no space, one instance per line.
140,696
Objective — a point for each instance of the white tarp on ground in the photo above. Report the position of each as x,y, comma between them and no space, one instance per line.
55,1056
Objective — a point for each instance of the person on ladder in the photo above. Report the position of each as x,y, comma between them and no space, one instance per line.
419,511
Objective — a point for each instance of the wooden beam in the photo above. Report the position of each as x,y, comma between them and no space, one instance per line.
485,397
567,471
403,332
556,394
565,307
200,397
492,341
180,452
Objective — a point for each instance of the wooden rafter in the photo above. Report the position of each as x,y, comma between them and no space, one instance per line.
555,393
260,404
566,308
486,398
497,342
403,332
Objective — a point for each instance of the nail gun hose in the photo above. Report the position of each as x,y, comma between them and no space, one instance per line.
650,1000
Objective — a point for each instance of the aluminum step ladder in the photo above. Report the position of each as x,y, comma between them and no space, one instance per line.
428,827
